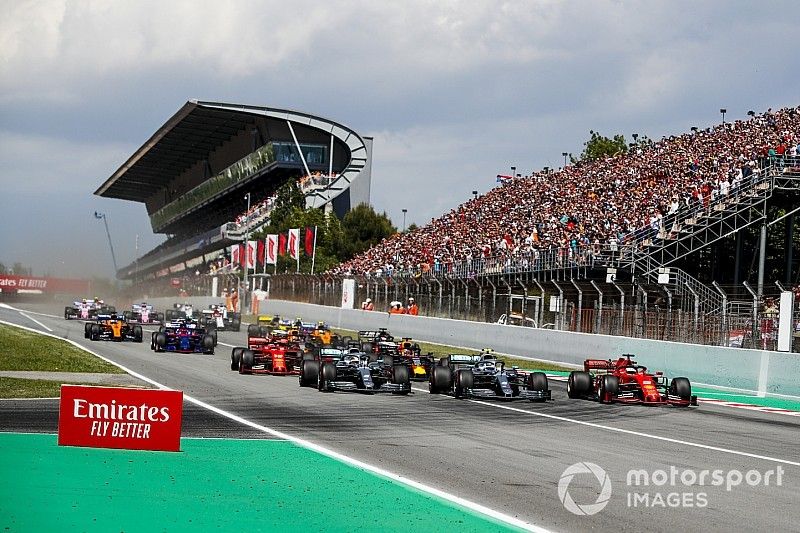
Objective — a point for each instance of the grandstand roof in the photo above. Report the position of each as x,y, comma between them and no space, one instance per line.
188,136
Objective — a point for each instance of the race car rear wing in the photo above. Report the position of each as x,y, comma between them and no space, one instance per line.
464,359
371,335
598,364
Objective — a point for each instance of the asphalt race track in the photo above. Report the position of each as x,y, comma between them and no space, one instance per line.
506,456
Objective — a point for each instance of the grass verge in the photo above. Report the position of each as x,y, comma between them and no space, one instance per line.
24,350
441,350
31,388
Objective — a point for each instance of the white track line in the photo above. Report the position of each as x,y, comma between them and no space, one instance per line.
34,320
629,432
452,498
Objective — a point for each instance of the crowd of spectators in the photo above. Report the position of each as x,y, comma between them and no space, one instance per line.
605,203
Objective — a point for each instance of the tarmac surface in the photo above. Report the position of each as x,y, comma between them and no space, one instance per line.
508,457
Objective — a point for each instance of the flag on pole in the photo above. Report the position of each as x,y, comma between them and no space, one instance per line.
260,255
294,243
237,254
272,249
310,239
282,244
250,257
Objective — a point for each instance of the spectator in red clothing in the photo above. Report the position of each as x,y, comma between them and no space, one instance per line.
412,307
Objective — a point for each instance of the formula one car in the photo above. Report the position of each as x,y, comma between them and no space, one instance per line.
87,309
485,376
625,381
112,328
179,312
183,336
218,317
337,370
268,355
143,314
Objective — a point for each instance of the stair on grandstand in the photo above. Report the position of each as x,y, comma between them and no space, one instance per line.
692,292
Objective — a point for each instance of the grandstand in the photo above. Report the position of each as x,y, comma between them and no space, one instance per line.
192,176
647,224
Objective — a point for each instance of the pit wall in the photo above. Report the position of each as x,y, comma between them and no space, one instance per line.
762,372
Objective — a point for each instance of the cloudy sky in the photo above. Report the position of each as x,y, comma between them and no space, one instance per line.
453,92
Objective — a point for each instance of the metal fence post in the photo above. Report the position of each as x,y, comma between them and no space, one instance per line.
724,335
580,303
560,320
696,308
621,307
755,313
540,318
598,318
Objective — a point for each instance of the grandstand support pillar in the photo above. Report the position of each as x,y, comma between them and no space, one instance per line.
580,303
540,316
788,245
641,312
755,312
494,300
724,325
560,320
696,307
466,294
668,325
508,303
621,306
599,315
737,257
439,311
299,151
524,300
762,256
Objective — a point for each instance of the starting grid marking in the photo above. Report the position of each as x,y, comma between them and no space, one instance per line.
723,403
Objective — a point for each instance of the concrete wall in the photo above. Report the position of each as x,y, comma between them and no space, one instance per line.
752,370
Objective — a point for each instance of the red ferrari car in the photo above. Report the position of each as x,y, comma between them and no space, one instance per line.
267,355
625,381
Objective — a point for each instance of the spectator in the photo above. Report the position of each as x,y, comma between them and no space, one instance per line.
412,307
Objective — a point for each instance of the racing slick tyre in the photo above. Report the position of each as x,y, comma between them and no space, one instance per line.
307,356
127,315
213,334
440,380
326,374
537,381
236,358
465,379
67,313
170,314
346,340
247,362
367,347
388,360
94,333
153,340
208,344
162,329
401,376
137,333
87,330
445,361
309,372
263,331
160,341
579,384
682,388
160,317
253,330
609,387
236,325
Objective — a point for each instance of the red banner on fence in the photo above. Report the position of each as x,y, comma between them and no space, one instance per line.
11,283
111,417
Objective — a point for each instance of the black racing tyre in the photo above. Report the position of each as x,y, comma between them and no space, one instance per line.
263,331
309,372
440,379
326,374
162,329
609,386
579,384
236,325
67,312
160,317
137,333
400,375
169,314
236,357
388,360
537,381
681,387
127,315
346,340
208,344
87,330
445,361
210,325
94,333
253,330
213,334
161,341
308,356
202,320
247,362
367,347
465,379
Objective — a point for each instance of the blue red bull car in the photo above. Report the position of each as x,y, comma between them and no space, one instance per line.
183,337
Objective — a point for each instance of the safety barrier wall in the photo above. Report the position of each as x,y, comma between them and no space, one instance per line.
750,370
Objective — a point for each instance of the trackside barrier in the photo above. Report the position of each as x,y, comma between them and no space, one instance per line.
756,371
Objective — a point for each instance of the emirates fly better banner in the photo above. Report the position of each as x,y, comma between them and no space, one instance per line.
110,417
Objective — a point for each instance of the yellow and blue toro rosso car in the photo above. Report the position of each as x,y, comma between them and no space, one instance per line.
112,328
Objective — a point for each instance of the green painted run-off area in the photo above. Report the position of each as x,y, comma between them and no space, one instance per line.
211,485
